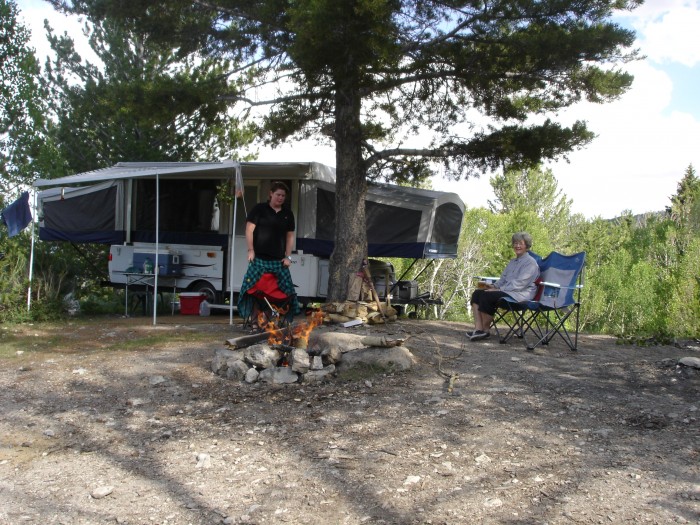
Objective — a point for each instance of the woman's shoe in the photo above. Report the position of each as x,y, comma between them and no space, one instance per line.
478,335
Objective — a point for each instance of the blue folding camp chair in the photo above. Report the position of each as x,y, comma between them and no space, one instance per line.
558,297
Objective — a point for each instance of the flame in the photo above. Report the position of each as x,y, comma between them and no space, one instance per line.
274,331
277,335
303,331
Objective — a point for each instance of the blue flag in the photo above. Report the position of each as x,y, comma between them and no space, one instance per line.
17,215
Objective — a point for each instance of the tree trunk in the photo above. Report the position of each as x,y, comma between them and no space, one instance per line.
351,189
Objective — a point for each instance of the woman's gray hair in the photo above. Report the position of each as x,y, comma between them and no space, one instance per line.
523,236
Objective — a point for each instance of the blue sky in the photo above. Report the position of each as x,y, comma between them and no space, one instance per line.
685,92
645,141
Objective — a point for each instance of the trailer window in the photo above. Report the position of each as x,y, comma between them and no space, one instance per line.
448,221
185,205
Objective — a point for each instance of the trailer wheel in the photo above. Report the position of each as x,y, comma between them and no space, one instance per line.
207,289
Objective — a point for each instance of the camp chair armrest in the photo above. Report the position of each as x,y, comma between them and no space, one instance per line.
486,278
555,285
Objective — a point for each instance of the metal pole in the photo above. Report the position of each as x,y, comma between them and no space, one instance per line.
31,262
155,264
236,189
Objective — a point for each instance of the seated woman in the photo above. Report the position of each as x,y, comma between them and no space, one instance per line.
517,281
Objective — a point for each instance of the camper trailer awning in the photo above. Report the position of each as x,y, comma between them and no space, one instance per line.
214,170
136,170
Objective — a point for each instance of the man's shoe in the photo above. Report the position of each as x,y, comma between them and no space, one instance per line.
470,333
478,335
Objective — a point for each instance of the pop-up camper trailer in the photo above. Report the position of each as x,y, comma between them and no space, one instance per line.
169,213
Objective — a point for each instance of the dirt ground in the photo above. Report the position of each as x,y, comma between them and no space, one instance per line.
118,421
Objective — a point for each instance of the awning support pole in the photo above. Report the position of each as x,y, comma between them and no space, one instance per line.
155,263
31,261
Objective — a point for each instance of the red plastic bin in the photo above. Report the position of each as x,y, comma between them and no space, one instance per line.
190,301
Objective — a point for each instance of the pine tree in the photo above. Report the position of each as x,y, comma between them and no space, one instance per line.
22,105
373,76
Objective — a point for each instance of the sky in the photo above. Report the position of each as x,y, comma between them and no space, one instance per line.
645,140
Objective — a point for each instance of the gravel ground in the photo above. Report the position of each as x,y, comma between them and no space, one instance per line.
118,421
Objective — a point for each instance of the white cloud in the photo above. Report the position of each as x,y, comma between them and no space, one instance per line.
667,30
673,38
640,153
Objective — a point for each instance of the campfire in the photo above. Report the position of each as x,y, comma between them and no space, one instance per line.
299,353
284,339
294,336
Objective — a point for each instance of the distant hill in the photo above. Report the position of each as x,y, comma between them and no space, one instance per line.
642,218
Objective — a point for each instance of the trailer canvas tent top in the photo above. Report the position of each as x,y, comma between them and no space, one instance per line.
171,205
401,221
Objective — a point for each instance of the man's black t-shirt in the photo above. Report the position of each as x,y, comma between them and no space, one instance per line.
271,227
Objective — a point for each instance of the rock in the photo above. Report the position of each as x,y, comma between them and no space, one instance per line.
299,361
156,380
410,480
604,432
316,376
237,369
668,363
251,376
317,363
693,362
101,492
261,356
203,460
482,459
395,358
332,355
221,358
278,375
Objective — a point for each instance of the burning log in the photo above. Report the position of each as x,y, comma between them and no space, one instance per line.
247,340
296,335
